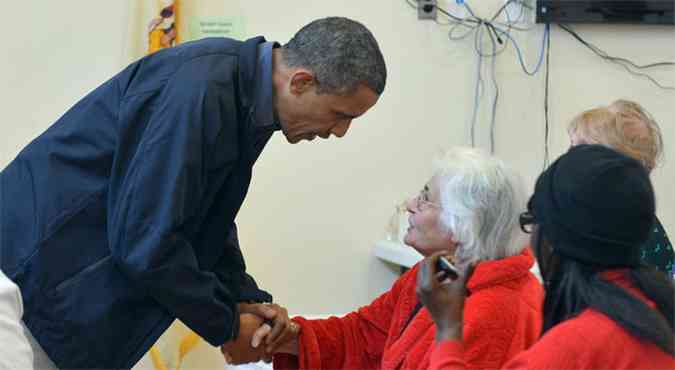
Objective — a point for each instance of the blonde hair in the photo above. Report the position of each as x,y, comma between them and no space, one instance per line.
623,126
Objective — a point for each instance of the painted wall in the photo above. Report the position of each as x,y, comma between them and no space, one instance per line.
314,210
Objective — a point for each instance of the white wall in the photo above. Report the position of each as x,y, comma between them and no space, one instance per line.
315,209
309,225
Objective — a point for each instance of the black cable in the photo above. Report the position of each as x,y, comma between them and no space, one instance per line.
414,6
460,20
623,62
491,30
546,88
491,27
474,23
650,78
603,54
501,10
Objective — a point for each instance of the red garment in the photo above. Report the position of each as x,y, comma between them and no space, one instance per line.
502,318
588,341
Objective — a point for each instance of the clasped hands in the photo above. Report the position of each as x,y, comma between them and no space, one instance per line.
264,329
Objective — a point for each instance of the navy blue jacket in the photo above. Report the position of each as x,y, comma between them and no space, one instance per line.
120,217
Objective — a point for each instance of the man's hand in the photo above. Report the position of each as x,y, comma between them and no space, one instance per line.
443,299
239,351
277,330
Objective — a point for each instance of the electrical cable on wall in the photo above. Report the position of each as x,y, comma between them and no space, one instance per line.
520,54
496,97
496,30
478,94
546,95
499,34
623,62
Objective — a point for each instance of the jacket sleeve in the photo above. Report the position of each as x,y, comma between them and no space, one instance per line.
161,189
355,341
558,349
231,270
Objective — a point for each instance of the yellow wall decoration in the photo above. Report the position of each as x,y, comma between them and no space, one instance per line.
158,24
163,28
187,344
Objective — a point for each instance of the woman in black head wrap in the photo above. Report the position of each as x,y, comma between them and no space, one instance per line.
604,309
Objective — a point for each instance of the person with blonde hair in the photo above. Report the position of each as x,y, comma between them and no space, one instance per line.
627,127
603,309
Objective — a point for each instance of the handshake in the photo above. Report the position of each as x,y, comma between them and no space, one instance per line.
264,329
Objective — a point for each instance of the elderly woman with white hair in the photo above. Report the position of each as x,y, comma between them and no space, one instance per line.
469,210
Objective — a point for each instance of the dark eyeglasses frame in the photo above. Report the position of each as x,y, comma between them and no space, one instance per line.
527,222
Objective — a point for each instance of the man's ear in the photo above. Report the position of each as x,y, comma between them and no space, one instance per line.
302,81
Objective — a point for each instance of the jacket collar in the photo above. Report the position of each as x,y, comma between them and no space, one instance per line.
248,67
264,116
491,273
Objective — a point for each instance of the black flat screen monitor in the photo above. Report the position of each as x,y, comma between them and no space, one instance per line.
606,11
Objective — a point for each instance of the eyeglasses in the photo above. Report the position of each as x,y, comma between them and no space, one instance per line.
527,222
422,200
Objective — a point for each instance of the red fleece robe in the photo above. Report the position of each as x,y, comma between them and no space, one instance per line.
588,341
502,318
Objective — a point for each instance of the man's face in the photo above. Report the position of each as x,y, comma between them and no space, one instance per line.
304,114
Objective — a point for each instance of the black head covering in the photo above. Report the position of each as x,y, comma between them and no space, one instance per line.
596,206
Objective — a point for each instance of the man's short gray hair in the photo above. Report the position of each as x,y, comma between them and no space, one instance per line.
341,53
481,200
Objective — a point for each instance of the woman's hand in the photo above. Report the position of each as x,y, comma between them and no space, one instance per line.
290,343
286,343
443,299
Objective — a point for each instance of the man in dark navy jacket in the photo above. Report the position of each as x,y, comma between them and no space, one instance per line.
115,220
